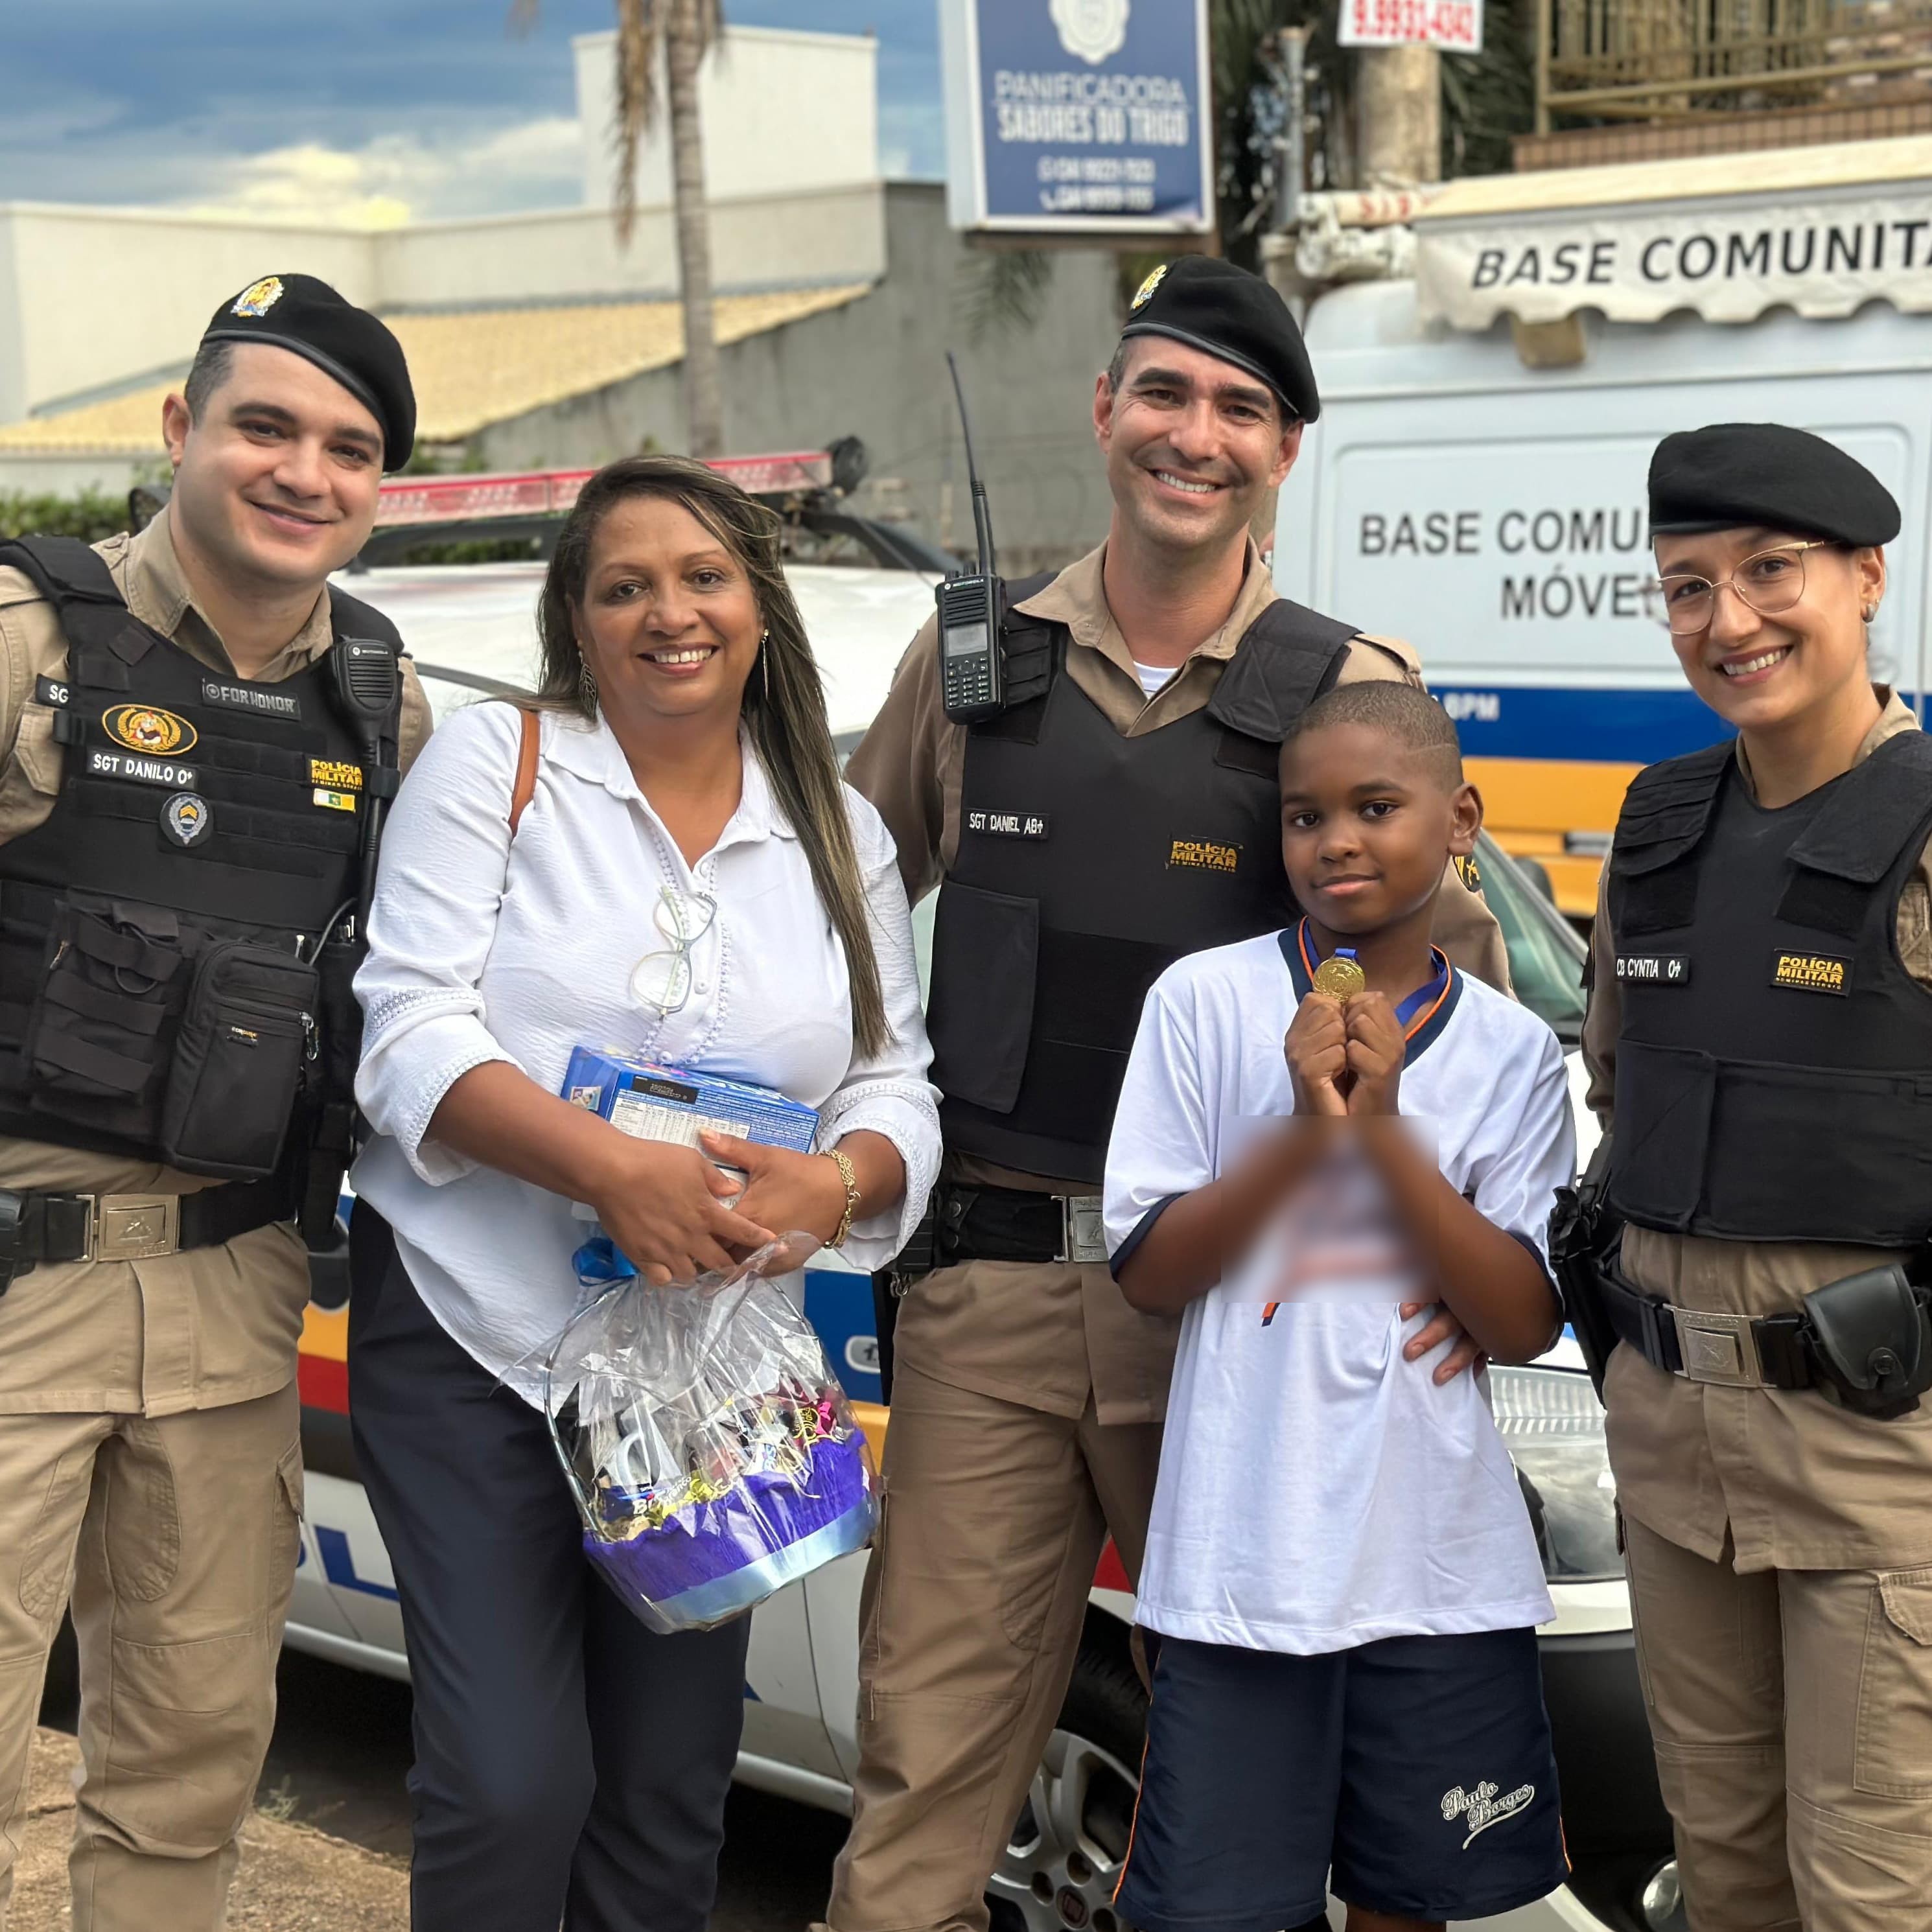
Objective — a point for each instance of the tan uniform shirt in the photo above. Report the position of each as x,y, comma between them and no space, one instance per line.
192,1331
1797,1482
1049,1338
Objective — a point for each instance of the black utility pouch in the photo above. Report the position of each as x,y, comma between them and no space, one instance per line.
239,1061
97,1038
1870,1336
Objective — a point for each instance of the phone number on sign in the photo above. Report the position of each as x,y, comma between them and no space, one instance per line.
1441,23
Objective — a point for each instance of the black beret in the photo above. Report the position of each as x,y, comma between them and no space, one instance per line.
306,316
1737,475
1223,310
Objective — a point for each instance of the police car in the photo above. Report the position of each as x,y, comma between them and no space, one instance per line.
470,628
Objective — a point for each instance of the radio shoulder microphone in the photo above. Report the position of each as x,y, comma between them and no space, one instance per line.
971,683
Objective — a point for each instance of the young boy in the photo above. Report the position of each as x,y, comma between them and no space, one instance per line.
1340,1572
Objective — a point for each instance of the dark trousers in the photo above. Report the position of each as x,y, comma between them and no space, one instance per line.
570,1764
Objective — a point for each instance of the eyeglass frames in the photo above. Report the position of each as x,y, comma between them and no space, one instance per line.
662,978
1767,582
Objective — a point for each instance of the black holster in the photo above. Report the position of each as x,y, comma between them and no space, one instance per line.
1585,1239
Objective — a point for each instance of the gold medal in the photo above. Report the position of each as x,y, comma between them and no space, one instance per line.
1340,979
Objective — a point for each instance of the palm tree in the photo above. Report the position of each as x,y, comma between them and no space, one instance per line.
683,31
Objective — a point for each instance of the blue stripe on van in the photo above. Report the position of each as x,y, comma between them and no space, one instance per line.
1623,727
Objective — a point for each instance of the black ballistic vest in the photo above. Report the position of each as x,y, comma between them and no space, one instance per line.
1087,862
166,990
1773,1070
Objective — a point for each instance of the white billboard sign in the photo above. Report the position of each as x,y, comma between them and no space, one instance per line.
1454,26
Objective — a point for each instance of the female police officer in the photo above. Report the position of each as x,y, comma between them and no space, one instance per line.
1760,1033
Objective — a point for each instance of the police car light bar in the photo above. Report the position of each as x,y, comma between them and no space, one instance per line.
409,500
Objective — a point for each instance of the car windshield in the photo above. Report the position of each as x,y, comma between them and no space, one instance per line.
1546,956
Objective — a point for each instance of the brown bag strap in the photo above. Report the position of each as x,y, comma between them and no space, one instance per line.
525,788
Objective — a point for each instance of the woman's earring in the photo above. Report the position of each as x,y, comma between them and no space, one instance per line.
586,685
765,666
1869,612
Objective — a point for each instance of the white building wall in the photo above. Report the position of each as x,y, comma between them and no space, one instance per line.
102,296
782,112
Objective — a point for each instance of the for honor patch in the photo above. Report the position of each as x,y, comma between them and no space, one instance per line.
144,727
250,698
1654,969
186,818
1144,293
1812,973
258,297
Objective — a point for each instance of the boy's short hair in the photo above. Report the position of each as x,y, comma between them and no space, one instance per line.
1410,716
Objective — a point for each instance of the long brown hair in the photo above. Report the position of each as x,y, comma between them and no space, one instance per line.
784,703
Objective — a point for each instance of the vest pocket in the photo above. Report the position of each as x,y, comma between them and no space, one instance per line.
95,1037
239,1061
985,961
1661,1130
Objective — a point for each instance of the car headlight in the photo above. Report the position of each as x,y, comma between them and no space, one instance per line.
1552,1425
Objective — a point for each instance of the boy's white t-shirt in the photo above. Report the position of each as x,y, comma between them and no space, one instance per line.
1316,1491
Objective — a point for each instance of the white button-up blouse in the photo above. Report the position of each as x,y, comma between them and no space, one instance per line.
482,948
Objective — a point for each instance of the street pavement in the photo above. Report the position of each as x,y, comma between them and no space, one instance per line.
341,1753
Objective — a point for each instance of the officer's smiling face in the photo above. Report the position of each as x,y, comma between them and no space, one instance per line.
669,621
1193,445
1759,670
1367,824
276,481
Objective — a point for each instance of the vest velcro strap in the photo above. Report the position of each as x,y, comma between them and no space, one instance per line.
1878,806
116,1072
382,781
126,952
96,1003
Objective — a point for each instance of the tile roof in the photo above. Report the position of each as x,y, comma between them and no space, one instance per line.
471,368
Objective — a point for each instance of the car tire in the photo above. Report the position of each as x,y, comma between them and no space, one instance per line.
1070,1839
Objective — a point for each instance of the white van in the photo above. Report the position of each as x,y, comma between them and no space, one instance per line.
1493,512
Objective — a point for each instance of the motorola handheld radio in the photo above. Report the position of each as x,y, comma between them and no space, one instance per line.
969,609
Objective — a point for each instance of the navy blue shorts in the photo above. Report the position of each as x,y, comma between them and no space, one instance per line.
1413,1776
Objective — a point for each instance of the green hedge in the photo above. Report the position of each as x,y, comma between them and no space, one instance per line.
90,516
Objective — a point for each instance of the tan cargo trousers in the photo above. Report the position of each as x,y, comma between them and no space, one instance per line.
1792,1713
995,1516
176,1537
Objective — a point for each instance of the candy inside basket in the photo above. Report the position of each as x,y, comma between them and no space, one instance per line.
711,1449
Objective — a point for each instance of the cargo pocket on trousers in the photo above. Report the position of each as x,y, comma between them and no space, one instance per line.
1894,1752
285,1537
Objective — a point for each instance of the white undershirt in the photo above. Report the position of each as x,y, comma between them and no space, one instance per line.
1153,677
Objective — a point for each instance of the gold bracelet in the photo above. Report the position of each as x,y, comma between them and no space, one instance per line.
849,1175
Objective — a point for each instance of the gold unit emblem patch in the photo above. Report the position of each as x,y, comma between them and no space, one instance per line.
1203,855
142,728
1144,293
258,297
335,773
1812,973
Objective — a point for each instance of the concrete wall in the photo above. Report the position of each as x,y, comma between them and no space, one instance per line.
781,111
876,368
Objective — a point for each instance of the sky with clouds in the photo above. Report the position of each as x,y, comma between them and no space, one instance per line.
362,109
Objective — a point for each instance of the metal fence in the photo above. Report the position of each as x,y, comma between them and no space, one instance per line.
1651,59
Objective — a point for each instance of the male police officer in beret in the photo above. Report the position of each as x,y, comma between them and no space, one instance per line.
1122,810
191,774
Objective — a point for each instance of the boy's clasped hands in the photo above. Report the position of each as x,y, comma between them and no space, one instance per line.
1345,1056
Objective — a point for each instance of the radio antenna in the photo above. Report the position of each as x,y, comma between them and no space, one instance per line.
983,519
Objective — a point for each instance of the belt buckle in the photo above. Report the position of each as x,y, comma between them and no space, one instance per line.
1082,1236
133,1227
1720,1349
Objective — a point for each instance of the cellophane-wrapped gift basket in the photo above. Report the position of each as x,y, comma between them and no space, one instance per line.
711,1449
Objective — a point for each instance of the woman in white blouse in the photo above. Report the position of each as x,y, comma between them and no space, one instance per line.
690,880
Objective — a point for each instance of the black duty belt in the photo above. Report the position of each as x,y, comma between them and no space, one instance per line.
39,1227
1868,1338
1010,1224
